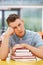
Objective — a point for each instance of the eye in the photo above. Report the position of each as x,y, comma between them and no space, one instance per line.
14,27
19,24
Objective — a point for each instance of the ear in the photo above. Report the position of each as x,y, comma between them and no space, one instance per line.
22,21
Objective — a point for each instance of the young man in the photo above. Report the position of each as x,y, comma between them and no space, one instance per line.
17,37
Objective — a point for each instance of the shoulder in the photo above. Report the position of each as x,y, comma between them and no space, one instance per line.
32,33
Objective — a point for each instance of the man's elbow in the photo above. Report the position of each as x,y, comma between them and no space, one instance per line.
42,57
3,58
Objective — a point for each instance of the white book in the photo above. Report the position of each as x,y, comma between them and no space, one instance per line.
26,60
22,50
23,54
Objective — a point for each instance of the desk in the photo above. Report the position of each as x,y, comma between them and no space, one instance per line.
21,63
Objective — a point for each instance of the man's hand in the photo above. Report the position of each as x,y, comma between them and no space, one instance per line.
17,46
0,41
9,31
25,45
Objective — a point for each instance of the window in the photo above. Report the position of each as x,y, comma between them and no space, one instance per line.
6,14
0,21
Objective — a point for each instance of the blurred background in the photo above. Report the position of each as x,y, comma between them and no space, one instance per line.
31,11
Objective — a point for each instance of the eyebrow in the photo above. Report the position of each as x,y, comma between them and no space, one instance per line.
16,26
19,24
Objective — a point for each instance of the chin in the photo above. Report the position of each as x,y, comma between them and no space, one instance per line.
21,35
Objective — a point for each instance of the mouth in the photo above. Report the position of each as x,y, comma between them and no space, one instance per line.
20,32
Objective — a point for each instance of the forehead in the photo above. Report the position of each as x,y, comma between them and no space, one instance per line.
16,22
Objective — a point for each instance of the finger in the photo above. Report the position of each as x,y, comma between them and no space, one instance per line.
12,57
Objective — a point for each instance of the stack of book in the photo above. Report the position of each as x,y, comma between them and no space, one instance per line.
24,55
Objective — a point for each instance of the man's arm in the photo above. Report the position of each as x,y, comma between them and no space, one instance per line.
36,51
4,49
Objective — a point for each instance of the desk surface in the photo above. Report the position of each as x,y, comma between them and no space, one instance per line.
21,63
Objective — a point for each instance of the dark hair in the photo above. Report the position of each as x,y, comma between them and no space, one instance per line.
12,18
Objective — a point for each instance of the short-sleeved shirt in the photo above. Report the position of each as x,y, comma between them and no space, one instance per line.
30,38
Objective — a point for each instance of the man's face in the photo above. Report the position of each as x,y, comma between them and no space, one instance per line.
18,27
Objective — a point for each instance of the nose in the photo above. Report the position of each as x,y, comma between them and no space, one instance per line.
19,28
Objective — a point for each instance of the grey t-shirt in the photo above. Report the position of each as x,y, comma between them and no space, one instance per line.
30,38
